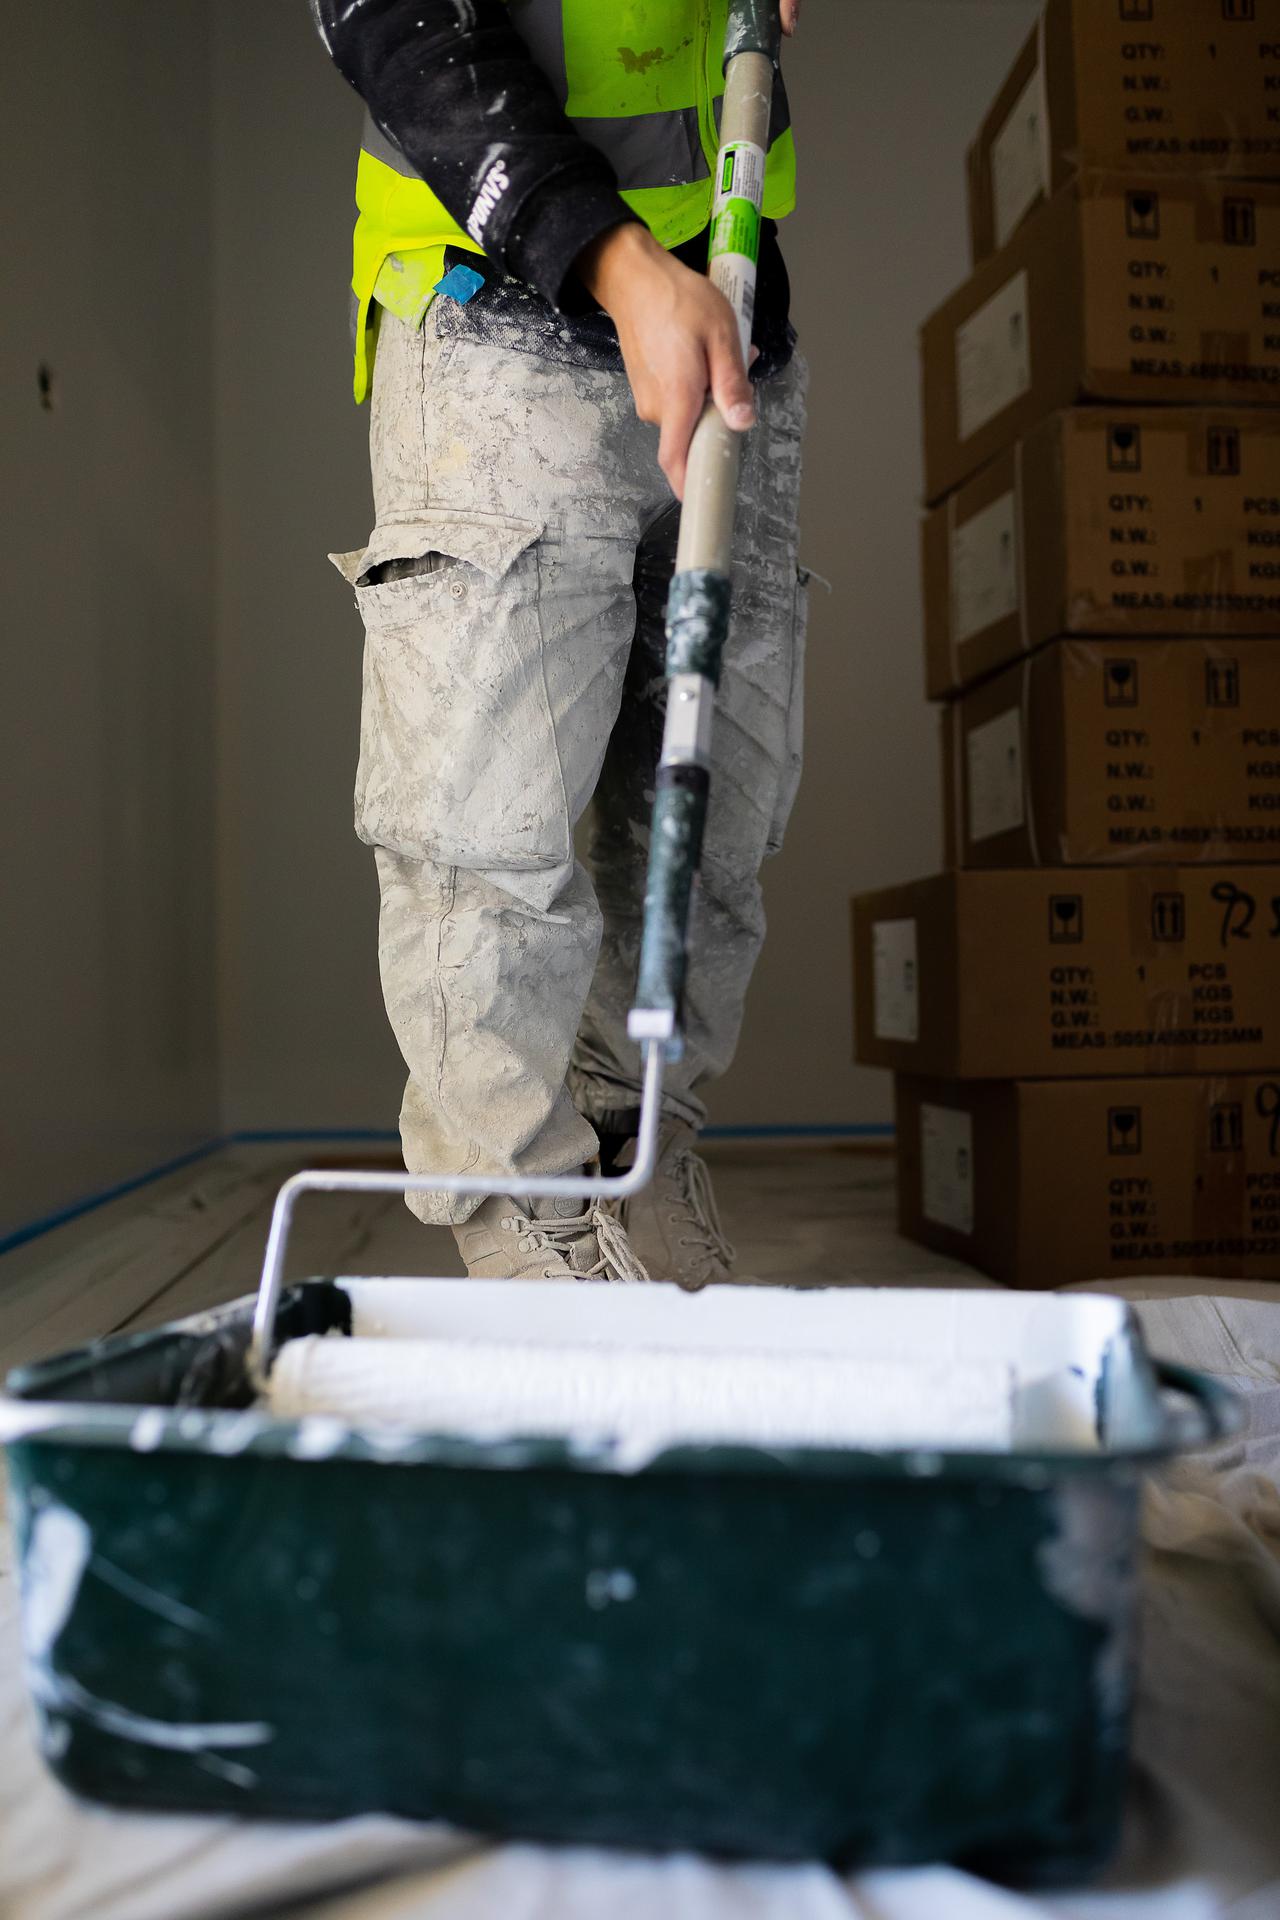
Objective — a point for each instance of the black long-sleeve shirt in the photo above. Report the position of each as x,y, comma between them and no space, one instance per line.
445,80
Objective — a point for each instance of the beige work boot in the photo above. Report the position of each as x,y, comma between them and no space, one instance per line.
509,1239
673,1226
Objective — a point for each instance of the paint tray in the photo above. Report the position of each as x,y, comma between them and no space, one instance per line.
869,1656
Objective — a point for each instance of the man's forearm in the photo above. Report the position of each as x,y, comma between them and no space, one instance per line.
457,90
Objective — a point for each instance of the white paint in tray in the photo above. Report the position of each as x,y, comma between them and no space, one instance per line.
651,1367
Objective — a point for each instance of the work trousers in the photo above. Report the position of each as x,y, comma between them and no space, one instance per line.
513,594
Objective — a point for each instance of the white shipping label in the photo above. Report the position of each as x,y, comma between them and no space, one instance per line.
896,980
993,357
1020,160
984,569
946,1167
995,776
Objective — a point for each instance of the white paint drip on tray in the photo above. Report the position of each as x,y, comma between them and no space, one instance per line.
58,1556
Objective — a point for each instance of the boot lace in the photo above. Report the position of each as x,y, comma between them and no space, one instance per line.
617,1260
696,1203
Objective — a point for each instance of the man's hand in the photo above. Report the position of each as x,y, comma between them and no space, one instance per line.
790,15
678,335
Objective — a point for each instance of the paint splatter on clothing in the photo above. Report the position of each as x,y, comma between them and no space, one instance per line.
513,594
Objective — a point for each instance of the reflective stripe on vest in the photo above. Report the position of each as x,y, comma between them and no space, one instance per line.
654,115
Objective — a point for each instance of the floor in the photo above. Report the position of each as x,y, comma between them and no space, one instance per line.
800,1214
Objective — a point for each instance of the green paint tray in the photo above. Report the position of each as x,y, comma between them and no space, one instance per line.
872,1657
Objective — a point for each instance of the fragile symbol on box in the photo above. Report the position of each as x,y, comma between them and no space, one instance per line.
1226,1128
1120,688
1268,1105
1222,683
1238,9
1224,452
1066,919
1124,1130
1124,449
1142,215
1239,223
1169,916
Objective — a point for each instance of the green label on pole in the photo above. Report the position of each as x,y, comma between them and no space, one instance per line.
736,229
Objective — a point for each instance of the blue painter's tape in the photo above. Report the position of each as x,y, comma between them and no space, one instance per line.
32,1229
460,284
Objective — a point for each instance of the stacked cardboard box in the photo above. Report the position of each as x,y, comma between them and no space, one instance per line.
1084,1011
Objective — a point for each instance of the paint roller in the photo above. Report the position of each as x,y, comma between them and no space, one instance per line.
645,1398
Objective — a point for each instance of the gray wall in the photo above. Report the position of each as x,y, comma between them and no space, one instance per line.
106,720
887,94
304,1038
182,273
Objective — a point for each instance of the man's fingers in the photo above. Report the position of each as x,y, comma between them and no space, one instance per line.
730,388
680,416
790,15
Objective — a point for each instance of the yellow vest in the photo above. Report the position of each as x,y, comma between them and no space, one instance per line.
652,112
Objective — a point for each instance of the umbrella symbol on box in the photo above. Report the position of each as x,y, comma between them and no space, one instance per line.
1169,916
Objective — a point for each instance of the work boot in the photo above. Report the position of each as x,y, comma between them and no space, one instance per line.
673,1226
510,1239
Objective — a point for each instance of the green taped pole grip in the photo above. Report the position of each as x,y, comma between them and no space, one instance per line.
755,26
675,854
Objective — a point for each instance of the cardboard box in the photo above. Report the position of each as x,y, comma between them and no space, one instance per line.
1190,85
1042,975
1107,521
1096,753
1124,287
1045,1183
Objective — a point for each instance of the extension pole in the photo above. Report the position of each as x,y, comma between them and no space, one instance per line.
698,606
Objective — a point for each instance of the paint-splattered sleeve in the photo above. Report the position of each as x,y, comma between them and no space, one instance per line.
458,91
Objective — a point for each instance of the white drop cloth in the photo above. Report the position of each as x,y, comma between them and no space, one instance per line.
1202,1839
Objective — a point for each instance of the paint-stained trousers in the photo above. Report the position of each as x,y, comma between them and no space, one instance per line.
513,594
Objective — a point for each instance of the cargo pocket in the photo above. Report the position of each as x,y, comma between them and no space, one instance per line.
458,756
793,752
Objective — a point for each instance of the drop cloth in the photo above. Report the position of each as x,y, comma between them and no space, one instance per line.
1202,1837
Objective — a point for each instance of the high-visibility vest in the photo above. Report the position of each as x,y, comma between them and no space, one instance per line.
652,109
